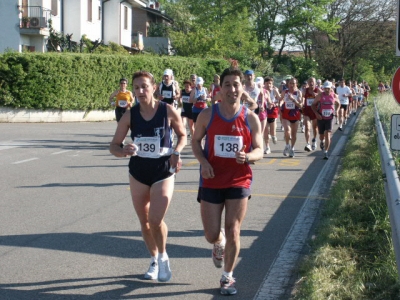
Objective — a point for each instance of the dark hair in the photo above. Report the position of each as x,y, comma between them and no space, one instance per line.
144,74
229,72
123,79
268,79
187,82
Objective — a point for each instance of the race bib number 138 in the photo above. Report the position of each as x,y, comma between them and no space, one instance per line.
227,145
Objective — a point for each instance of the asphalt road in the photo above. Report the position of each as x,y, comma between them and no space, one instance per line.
68,229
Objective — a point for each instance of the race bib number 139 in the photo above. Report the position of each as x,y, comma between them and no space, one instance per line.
227,145
148,146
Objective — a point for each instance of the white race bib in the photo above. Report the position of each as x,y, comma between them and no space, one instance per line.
290,104
327,112
148,146
227,145
185,99
122,103
310,101
253,95
167,94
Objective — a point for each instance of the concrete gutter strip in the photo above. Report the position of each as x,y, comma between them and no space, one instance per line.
15,115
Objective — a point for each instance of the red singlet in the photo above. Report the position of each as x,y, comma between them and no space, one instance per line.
224,138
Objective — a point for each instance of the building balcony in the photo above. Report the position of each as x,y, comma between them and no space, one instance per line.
34,20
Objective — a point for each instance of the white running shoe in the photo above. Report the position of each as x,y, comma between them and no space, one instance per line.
228,285
274,139
152,272
218,251
267,150
286,150
164,272
291,153
326,156
307,148
314,144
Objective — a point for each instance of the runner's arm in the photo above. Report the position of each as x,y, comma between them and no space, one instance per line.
119,136
180,132
315,108
246,98
200,131
256,152
112,96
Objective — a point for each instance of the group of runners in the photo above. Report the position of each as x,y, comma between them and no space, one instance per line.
226,138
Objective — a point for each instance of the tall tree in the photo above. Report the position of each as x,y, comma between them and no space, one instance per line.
282,23
364,26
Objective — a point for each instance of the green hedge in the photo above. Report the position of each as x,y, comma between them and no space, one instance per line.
84,81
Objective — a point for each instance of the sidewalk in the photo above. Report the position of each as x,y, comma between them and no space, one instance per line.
16,115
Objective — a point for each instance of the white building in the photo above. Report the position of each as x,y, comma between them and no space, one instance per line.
25,23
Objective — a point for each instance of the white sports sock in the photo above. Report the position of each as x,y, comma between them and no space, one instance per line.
229,274
163,256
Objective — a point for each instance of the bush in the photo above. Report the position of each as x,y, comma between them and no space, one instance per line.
71,81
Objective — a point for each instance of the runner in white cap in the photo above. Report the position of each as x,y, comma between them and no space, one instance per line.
325,106
344,92
198,97
168,90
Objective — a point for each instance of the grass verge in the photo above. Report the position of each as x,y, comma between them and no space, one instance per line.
352,254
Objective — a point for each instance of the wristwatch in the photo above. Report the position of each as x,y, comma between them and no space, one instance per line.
246,158
177,153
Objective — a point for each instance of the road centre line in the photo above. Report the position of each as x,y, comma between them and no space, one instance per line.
24,161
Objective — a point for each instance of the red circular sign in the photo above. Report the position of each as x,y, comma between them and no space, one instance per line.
396,85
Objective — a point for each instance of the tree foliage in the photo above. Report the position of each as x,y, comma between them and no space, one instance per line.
213,29
334,35
364,28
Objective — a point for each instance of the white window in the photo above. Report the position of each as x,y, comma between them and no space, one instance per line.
54,7
125,17
90,6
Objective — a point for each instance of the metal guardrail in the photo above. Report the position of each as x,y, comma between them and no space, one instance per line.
392,186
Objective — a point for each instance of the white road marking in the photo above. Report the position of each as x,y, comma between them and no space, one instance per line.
24,161
60,152
277,278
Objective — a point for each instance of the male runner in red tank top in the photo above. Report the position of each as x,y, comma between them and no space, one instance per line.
233,140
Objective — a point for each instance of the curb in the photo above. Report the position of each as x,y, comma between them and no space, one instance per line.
16,115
